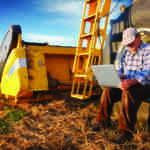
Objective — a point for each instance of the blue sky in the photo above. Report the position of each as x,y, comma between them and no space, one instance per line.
54,21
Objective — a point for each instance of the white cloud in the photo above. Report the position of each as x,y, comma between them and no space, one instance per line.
52,40
73,8
65,23
62,12
66,7
65,14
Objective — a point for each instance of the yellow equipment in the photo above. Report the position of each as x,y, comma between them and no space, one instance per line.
30,71
90,32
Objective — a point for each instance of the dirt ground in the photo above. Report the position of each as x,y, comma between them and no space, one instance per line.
63,123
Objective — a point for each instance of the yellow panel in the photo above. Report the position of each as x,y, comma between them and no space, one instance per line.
37,70
15,77
59,61
60,67
54,49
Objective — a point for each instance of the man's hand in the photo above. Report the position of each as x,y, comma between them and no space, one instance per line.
125,84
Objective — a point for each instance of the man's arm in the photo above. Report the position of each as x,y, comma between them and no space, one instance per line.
121,66
125,81
143,76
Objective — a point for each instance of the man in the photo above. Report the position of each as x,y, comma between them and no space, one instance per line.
134,72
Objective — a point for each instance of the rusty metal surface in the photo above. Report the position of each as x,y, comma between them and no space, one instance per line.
140,13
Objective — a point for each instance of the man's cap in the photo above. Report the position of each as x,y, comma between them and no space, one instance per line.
129,36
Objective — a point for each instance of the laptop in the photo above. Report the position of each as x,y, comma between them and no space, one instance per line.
106,75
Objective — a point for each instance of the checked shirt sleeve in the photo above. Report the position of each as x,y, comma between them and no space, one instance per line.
143,76
121,70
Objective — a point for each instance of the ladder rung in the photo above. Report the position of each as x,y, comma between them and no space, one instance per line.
90,17
90,1
80,96
80,75
96,52
86,35
83,53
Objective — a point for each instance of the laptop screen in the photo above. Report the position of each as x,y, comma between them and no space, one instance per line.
106,75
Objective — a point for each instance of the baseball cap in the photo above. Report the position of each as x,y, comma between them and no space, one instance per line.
129,36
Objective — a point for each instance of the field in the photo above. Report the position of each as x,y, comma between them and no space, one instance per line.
63,123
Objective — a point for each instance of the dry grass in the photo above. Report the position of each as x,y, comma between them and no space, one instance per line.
65,124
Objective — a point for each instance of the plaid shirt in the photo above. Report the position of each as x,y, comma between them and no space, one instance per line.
136,65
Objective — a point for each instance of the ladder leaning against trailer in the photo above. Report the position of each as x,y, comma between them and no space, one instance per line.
86,53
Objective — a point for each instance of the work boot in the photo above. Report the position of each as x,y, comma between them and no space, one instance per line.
121,139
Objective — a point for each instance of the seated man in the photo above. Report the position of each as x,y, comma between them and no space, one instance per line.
134,88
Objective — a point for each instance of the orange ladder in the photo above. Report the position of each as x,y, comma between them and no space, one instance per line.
86,53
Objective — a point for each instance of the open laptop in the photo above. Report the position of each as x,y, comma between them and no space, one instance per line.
106,75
